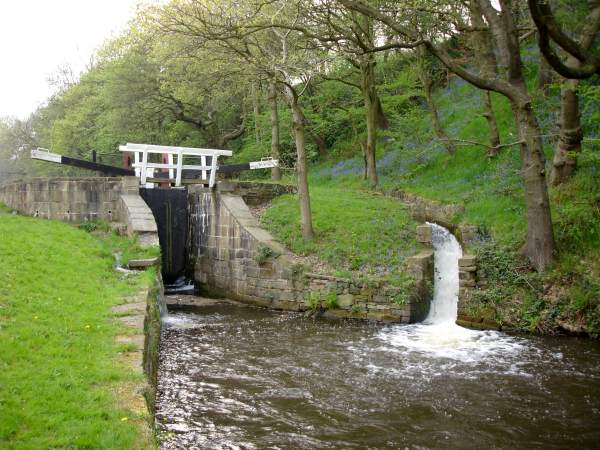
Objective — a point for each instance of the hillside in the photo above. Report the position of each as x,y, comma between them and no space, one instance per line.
567,297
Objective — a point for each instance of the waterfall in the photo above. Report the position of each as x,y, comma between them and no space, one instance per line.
438,336
445,290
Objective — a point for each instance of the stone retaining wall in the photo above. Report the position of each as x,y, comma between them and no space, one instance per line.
471,279
84,199
155,303
254,193
425,210
69,199
233,257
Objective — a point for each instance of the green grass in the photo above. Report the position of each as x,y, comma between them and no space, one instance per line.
489,190
356,232
124,249
128,248
58,356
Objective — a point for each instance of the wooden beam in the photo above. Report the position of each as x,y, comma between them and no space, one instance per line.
82,163
104,168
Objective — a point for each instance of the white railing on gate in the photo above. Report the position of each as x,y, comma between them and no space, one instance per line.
141,152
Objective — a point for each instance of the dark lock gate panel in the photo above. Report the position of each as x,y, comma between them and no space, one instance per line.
170,209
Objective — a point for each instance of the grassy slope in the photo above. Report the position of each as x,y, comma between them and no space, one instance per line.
58,357
489,189
356,232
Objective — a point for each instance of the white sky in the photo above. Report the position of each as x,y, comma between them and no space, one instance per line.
38,36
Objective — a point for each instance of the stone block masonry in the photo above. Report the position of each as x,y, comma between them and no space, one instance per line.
233,257
425,210
68,199
470,280
255,194
82,200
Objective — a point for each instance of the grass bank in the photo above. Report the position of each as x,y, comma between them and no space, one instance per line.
357,233
59,369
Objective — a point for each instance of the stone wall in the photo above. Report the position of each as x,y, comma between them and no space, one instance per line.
424,210
233,257
254,193
69,199
84,199
471,279
155,307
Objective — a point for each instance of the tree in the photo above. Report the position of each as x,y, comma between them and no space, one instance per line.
510,82
426,75
579,63
481,41
145,89
347,35
275,171
172,81
241,34
16,140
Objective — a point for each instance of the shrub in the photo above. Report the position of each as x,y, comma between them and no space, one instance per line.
331,300
313,301
263,253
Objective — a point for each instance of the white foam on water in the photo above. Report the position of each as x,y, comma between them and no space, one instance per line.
448,340
179,321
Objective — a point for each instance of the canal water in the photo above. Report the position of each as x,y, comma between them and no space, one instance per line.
232,377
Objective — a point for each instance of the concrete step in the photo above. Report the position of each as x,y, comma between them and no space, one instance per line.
141,264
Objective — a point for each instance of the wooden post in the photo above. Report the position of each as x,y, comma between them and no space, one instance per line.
203,163
179,165
137,160
144,167
170,161
213,172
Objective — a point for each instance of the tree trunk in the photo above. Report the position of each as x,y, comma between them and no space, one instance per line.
484,52
540,246
321,144
363,149
370,100
382,121
544,76
275,171
256,110
564,162
492,124
437,125
568,148
424,75
301,167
